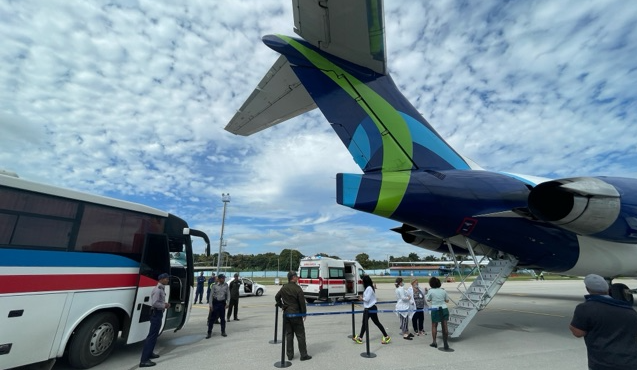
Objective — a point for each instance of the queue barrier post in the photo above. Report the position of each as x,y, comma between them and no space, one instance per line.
353,323
283,363
367,353
276,324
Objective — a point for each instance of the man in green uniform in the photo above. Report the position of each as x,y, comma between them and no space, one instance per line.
233,307
292,301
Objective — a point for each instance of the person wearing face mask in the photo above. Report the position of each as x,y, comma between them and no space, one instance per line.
403,308
418,297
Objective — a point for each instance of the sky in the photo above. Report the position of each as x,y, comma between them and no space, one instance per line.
129,99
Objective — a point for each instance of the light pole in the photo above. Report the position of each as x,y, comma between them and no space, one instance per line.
225,198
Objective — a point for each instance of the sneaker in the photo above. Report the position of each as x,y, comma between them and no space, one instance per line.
357,339
410,335
385,340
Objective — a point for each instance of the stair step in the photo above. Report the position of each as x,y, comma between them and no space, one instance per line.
462,311
465,303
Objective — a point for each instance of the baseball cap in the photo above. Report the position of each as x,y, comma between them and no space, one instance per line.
595,283
163,276
221,276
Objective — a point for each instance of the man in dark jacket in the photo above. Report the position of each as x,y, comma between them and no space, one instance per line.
609,327
233,306
292,300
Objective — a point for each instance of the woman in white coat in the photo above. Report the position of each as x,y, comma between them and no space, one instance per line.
404,308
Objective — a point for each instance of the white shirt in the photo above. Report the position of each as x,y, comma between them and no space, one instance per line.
369,297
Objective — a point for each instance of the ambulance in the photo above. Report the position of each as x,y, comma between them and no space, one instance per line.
328,279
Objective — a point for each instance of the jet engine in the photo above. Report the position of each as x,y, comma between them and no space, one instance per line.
583,205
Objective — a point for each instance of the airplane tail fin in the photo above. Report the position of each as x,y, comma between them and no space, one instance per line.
340,67
380,128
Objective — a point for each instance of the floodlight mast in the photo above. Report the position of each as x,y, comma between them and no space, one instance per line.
225,198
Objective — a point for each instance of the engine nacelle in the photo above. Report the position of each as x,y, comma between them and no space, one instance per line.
583,205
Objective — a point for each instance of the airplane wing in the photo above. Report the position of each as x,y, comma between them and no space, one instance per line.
278,97
353,30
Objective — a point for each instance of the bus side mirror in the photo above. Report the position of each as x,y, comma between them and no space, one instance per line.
201,234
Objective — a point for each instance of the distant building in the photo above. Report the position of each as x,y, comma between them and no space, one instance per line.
422,270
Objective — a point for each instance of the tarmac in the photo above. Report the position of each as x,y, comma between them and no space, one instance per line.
524,326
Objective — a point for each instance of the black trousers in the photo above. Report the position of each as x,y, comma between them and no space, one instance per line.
294,326
374,317
155,324
217,313
233,306
418,321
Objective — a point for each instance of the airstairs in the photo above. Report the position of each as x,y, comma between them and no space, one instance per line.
489,279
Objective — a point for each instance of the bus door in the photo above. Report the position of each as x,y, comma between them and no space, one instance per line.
181,282
155,261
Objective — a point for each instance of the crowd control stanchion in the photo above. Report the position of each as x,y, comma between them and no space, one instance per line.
276,324
367,354
445,333
353,323
283,363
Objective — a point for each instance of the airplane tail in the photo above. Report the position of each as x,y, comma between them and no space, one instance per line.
339,66
380,128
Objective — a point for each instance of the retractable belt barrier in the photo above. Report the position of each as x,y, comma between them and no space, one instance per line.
353,312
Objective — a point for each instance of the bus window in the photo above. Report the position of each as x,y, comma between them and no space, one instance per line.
123,231
51,233
7,225
36,204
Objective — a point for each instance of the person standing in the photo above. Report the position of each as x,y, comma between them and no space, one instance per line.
211,282
291,300
201,280
440,313
369,304
418,296
218,303
403,308
233,307
158,306
608,325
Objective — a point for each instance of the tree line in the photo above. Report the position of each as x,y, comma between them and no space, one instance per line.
289,259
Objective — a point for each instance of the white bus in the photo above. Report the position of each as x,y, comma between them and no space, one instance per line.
76,270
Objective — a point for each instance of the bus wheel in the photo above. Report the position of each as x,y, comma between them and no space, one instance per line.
93,340
259,292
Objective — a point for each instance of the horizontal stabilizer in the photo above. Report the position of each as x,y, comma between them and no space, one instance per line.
344,29
278,97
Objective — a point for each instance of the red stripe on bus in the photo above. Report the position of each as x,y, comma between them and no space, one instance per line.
48,283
